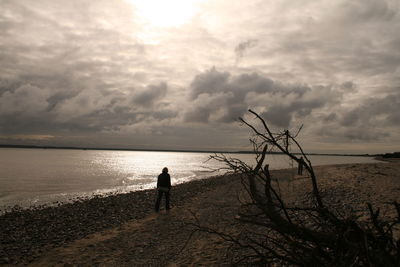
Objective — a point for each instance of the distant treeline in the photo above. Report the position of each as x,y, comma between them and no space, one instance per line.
392,155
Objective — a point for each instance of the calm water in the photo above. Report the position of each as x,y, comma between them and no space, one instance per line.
42,176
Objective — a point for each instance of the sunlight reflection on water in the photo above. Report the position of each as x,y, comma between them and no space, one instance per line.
38,176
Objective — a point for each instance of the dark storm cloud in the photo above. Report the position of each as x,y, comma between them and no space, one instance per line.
219,96
376,111
278,115
209,82
214,82
300,106
372,119
32,109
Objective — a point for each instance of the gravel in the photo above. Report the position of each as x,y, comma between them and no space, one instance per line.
26,234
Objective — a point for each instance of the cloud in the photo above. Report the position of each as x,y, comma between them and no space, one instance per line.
321,42
352,134
222,97
377,111
68,69
27,137
26,99
29,109
370,10
149,95
241,48
210,82
84,68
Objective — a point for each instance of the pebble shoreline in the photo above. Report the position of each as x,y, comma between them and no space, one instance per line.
26,234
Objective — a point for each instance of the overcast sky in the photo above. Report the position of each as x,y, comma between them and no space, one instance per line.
178,74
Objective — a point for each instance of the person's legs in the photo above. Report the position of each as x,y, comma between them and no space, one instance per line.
167,201
300,169
157,207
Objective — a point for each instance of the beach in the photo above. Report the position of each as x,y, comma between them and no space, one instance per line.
124,230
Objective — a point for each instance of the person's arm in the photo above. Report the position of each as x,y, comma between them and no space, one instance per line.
158,181
169,181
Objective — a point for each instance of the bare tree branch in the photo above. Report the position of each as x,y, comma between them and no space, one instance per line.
309,234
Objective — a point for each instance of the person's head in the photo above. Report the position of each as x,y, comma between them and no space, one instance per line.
165,170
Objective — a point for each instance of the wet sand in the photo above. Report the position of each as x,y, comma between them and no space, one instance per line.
123,230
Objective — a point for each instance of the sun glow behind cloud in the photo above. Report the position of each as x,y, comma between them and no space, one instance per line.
161,13
168,74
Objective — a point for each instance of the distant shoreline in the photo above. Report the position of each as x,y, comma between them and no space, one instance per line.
176,150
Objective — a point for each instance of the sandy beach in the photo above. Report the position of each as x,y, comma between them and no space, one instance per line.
123,230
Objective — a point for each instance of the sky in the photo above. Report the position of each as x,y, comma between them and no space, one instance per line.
178,74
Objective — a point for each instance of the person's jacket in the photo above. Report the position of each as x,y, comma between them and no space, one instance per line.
164,180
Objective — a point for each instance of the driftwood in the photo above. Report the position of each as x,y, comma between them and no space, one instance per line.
287,234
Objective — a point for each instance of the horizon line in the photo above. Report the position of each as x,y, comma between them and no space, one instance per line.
175,150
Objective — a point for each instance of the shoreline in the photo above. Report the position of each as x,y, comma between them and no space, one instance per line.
84,196
80,197
43,227
27,235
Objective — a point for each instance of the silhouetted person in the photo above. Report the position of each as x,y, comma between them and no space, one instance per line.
163,187
300,167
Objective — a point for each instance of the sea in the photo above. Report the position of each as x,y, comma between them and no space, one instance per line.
34,177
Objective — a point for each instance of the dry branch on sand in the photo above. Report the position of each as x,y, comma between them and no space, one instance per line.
308,233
